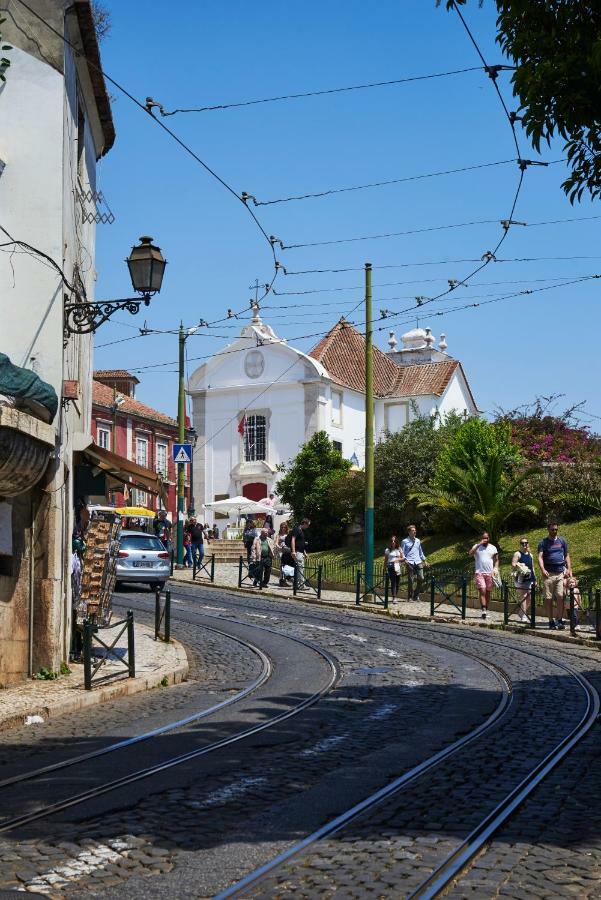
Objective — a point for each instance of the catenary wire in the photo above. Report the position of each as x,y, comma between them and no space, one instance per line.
339,90
438,262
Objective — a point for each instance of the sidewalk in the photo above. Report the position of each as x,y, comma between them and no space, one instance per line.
156,663
226,576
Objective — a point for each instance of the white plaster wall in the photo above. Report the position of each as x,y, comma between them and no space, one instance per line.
352,431
456,398
31,201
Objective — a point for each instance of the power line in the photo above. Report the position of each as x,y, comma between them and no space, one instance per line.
505,224
525,293
437,262
376,184
303,94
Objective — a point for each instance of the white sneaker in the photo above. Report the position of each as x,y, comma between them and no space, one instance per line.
523,617
483,614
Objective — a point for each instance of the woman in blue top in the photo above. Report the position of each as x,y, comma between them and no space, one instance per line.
522,569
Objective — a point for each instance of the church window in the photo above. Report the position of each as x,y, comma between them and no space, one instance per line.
396,416
337,445
337,408
254,438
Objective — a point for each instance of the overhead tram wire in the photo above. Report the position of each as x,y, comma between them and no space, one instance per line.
166,129
319,93
447,311
438,262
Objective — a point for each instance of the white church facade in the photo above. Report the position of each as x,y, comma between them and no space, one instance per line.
256,402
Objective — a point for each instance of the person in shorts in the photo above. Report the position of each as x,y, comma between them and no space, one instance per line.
554,562
486,558
522,569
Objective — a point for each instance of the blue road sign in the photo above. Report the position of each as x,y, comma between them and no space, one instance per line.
182,453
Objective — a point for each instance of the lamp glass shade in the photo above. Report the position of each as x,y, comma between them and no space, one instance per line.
146,266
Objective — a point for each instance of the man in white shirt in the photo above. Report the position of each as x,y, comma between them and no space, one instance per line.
415,561
486,557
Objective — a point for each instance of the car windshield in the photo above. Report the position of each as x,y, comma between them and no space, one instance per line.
141,542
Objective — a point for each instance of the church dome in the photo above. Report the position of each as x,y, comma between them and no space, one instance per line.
414,339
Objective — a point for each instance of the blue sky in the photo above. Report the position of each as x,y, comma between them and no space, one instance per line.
203,53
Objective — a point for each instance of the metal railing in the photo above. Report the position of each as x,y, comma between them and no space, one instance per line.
373,589
451,590
91,634
200,566
308,579
162,616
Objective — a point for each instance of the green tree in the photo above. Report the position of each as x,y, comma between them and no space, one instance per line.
306,486
556,48
481,494
476,440
406,461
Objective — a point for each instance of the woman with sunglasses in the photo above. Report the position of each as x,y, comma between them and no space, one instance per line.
522,568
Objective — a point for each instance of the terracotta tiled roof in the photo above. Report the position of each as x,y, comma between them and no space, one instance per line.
342,353
115,373
102,395
429,378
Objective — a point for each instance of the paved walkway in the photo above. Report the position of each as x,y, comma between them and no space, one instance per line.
226,575
32,702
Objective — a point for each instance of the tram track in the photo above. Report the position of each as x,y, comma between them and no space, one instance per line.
173,761
450,869
454,865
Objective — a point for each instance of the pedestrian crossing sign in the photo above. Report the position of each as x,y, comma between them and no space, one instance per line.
182,453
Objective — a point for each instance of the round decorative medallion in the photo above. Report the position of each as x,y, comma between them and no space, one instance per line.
254,364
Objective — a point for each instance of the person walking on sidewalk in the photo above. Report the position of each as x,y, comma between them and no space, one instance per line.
393,557
262,554
197,541
415,561
486,557
554,561
298,546
522,568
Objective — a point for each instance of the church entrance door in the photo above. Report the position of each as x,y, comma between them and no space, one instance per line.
256,491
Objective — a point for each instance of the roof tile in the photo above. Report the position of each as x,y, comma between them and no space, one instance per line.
102,395
342,353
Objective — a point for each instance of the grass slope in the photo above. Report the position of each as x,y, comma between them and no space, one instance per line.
584,540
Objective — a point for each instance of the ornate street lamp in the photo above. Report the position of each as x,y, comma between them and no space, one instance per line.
146,266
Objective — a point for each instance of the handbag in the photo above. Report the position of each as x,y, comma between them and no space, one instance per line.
254,569
496,578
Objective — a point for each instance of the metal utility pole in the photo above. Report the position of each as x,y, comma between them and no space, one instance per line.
369,436
181,436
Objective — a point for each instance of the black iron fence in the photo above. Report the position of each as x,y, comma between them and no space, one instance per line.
206,565
95,657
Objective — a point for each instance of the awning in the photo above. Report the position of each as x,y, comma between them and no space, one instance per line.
124,470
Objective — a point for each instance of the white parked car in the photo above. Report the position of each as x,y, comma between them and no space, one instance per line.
142,558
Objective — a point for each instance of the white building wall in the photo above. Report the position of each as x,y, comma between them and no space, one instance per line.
456,398
351,432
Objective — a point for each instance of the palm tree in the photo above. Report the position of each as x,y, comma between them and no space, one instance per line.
481,494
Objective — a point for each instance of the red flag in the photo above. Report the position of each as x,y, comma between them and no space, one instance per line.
241,425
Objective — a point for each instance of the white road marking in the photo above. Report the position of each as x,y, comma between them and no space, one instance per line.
219,608
392,653
34,720
324,745
229,792
76,867
256,615
356,637
318,627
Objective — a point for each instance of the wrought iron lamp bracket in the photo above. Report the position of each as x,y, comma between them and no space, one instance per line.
86,317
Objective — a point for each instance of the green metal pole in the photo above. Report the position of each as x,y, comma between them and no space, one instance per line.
181,423
369,436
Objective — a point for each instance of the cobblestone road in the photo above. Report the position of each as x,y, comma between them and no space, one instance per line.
399,700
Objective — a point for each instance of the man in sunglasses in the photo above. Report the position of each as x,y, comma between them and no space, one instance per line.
554,561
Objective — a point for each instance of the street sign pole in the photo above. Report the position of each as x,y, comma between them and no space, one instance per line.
369,437
181,423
